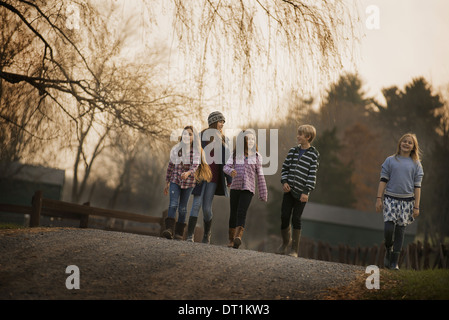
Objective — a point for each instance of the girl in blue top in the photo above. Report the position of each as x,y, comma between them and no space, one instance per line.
400,186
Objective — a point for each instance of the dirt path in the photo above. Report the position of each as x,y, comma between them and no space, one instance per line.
114,265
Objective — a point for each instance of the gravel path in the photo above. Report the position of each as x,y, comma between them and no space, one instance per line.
114,265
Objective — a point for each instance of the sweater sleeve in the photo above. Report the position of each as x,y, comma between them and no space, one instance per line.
311,178
229,166
170,168
286,166
418,176
261,183
386,170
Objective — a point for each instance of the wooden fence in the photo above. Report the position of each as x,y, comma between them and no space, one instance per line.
41,206
416,256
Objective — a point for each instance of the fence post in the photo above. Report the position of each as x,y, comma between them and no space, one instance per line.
442,258
427,251
84,220
162,221
37,208
419,253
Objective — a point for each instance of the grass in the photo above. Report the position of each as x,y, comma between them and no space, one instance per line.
411,285
10,226
396,285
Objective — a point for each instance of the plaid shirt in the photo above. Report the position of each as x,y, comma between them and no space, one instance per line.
248,170
174,171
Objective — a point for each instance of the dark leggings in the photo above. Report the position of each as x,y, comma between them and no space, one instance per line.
291,208
394,236
240,201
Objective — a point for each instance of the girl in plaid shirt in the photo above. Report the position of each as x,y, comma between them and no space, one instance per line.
185,168
245,169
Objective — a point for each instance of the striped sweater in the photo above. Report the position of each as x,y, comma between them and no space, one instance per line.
300,172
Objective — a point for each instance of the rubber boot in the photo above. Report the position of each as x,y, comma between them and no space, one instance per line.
295,242
286,240
169,228
191,229
207,227
238,237
387,258
231,233
394,260
179,230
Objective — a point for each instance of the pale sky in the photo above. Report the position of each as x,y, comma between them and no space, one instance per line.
412,41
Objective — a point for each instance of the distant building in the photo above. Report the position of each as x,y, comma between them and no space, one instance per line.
337,225
19,182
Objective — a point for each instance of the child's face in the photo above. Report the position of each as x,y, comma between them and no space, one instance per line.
187,136
220,125
251,139
407,144
302,138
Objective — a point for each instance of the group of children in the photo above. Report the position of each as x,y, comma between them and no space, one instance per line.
193,171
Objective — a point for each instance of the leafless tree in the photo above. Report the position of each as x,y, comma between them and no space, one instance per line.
77,81
56,48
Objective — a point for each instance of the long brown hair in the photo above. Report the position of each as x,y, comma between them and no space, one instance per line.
243,136
214,126
203,172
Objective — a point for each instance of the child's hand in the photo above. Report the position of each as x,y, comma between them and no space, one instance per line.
379,205
166,189
304,197
233,173
185,175
286,187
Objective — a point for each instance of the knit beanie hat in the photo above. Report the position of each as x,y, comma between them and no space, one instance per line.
215,117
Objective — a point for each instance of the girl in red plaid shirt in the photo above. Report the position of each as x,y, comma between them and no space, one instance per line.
245,167
185,168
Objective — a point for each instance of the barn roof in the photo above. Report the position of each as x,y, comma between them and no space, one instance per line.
347,217
25,172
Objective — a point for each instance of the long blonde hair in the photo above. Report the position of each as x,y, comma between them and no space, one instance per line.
415,154
203,172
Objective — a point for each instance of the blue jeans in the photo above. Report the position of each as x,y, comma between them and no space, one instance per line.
204,200
178,201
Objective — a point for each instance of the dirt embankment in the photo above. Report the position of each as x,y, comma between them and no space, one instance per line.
115,265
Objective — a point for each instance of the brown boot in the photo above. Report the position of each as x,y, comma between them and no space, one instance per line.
238,237
295,242
169,228
286,240
231,237
179,230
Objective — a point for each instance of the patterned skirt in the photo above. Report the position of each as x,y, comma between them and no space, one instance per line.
398,210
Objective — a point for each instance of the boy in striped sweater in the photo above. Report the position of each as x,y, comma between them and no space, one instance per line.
298,178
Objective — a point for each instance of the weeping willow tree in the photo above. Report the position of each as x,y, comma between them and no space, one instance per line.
227,48
238,50
68,59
